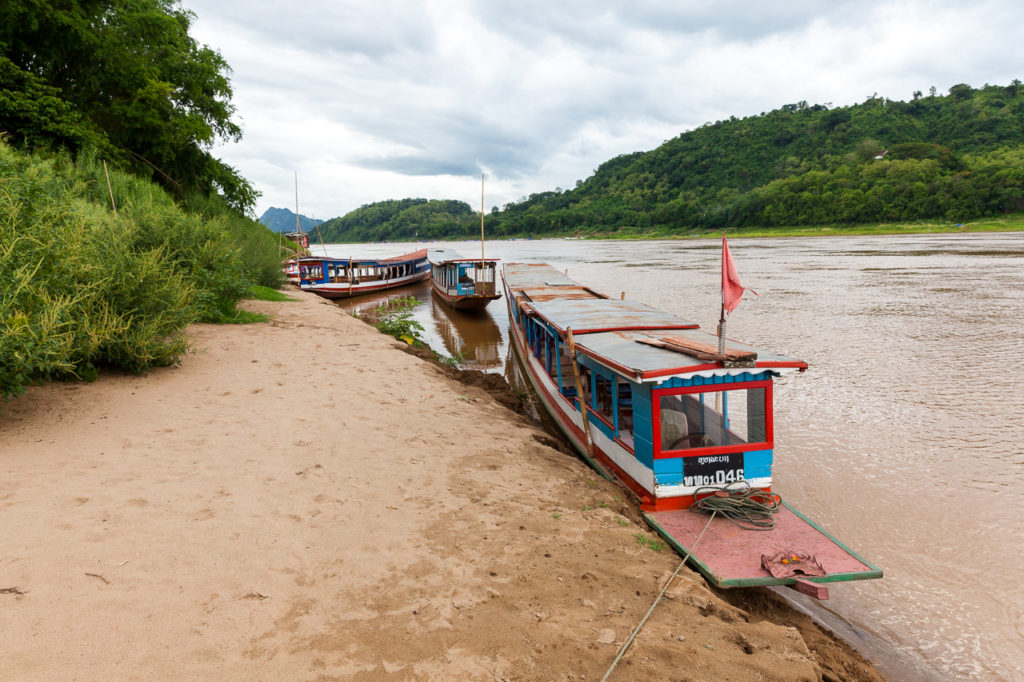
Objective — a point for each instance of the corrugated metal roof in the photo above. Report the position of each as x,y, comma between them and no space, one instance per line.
438,256
415,255
597,314
610,330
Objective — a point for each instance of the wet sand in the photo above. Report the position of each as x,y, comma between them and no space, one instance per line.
302,500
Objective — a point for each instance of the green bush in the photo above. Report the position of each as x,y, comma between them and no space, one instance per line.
395,318
82,287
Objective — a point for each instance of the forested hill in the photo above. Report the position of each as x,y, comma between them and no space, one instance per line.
401,219
951,157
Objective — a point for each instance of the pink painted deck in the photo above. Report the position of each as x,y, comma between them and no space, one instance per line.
730,556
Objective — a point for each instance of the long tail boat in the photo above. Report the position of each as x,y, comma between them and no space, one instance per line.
648,398
345,277
463,283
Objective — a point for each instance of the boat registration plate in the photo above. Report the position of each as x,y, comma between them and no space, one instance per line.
717,470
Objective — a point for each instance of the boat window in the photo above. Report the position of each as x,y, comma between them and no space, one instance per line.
603,396
624,405
585,378
713,419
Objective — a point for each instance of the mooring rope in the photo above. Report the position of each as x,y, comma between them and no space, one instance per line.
749,508
629,641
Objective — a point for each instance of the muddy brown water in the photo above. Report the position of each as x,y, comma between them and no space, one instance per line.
904,439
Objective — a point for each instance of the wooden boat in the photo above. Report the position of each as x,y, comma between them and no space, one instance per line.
299,237
345,277
667,414
463,283
291,271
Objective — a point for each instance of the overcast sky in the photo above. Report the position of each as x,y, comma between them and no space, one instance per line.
385,99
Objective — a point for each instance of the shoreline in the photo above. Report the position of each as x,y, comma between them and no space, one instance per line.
298,499
880,230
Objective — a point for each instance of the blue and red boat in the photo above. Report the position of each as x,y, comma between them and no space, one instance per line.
345,277
653,401
467,284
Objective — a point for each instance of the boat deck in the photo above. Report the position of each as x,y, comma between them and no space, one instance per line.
730,556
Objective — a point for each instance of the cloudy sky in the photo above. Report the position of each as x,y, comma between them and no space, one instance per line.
369,100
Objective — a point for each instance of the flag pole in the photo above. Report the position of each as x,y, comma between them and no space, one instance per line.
721,319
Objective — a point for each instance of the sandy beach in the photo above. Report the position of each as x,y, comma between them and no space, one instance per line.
302,500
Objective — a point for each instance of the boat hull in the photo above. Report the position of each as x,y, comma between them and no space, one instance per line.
336,291
347,277
470,303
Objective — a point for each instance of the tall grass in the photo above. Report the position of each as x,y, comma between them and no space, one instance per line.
82,288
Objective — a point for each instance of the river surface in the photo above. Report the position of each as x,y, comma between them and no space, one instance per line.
904,439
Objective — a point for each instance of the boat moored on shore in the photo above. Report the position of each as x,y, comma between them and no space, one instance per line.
653,401
467,284
346,277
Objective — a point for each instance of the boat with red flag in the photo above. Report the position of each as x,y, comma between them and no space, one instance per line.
677,415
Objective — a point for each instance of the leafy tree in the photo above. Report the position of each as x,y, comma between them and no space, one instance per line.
123,76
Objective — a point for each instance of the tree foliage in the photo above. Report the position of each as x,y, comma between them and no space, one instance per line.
954,157
123,77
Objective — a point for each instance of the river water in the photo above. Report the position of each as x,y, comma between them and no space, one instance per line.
904,439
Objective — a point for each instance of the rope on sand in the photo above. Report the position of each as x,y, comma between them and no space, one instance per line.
629,641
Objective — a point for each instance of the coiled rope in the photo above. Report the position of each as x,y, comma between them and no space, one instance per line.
749,508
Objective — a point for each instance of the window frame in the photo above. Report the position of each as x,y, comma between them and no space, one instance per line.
767,444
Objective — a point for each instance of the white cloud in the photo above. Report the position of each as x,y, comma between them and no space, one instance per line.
389,99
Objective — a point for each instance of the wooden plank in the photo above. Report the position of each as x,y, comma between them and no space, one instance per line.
701,351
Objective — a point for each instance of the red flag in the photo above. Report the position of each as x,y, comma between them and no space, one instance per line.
732,290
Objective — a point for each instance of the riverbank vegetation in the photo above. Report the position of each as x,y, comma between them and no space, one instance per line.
945,160
83,287
118,228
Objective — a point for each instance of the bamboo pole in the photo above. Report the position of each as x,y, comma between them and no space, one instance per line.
109,188
581,397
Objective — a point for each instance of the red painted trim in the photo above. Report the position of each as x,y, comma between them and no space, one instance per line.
653,374
656,395
798,364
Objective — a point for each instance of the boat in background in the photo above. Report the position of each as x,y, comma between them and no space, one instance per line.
291,265
345,277
467,284
653,401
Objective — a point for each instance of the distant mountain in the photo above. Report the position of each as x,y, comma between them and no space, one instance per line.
283,220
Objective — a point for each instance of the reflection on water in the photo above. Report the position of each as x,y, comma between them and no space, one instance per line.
475,340
471,338
904,438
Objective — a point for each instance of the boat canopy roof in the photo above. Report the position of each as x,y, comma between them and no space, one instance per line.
415,255
630,337
445,256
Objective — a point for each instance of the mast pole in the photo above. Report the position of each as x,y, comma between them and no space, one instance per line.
482,284
298,228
